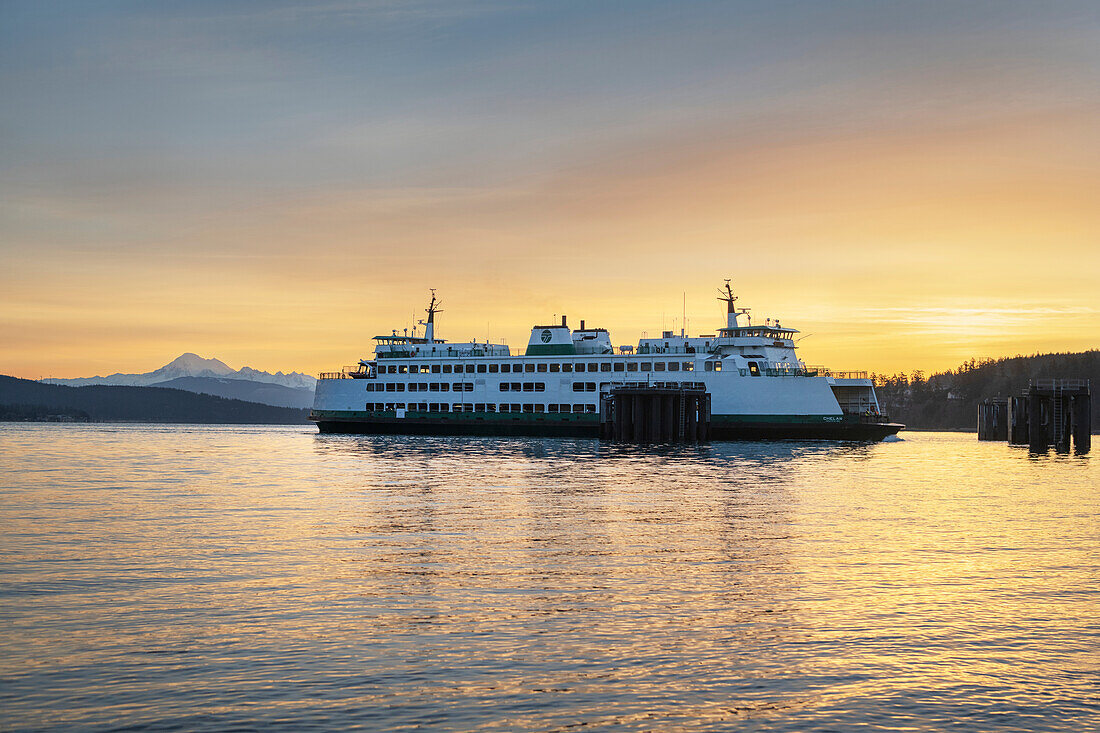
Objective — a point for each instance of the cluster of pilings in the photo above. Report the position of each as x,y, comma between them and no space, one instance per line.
645,414
1050,413
993,419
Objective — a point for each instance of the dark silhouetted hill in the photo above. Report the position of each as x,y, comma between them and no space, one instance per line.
949,400
23,399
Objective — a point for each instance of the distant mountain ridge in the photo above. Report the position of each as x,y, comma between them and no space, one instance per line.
265,393
192,365
26,400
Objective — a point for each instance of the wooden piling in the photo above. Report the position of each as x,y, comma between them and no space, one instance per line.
668,428
704,416
985,421
655,418
1038,438
692,432
1082,423
1017,420
1000,418
623,421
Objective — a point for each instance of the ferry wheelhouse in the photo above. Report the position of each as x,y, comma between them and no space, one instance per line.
755,385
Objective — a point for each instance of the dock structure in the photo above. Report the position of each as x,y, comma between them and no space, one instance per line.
1059,409
993,419
655,414
1053,412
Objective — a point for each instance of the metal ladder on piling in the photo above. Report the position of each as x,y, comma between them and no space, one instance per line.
683,415
1056,414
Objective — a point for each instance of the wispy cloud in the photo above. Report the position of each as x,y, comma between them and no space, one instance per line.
982,321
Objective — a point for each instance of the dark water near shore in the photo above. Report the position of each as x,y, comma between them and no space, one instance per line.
211,578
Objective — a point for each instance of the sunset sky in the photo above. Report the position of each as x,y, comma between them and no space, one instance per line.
268,183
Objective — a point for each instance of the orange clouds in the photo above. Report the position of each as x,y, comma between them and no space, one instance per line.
898,247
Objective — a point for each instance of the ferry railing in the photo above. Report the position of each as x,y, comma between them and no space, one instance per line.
1063,384
357,371
844,375
772,369
661,385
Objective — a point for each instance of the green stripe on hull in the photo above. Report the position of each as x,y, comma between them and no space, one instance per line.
550,350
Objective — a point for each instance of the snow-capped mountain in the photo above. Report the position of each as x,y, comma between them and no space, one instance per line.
193,365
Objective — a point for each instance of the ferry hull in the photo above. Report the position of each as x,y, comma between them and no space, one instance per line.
763,430
864,432
394,426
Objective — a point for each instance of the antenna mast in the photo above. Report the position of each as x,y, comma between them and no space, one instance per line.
429,325
727,297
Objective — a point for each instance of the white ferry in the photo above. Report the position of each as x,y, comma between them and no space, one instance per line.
755,385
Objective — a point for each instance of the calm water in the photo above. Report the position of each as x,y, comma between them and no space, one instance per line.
199,578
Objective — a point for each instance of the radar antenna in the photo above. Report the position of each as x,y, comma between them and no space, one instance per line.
429,325
727,297
732,311
434,306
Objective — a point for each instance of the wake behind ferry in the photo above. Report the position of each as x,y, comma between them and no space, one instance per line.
743,382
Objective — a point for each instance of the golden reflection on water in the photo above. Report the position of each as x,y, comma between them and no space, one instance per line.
200,578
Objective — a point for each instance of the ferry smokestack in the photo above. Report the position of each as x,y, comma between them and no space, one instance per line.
563,322
582,324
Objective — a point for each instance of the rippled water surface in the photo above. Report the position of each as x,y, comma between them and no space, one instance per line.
198,578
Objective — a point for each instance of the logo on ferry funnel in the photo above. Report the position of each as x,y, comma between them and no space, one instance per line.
546,336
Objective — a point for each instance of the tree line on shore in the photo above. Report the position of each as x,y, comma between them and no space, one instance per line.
949,400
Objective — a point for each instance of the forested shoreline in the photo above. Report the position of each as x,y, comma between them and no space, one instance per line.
949,400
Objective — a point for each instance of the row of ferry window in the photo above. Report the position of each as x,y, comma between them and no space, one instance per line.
541,386
469,387
421,387
477,407
619,366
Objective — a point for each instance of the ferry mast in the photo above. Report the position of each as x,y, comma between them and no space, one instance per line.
732,312
429,325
